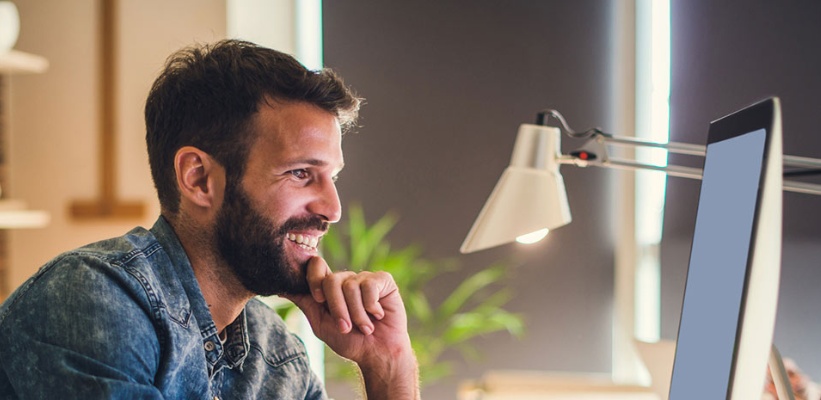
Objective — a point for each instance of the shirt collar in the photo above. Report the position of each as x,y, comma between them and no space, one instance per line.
237,343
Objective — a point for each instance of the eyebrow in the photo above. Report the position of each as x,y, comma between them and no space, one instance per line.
311,161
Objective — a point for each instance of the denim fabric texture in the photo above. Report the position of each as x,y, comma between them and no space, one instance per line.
125,319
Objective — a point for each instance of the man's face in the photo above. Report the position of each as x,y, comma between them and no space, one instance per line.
270,223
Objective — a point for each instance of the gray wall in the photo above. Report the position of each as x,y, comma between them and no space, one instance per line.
447,84
728,54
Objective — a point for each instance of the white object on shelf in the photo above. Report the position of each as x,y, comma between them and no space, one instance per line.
13,215
9,25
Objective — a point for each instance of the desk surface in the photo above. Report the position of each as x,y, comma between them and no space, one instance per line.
536,385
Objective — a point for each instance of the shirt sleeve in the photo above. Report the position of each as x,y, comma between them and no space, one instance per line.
78,331
316,390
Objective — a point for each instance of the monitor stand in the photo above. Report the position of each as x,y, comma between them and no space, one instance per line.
780,378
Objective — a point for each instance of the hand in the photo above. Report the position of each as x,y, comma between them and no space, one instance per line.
356,314
798,381
361,317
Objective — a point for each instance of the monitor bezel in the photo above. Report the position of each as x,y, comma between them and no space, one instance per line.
765,115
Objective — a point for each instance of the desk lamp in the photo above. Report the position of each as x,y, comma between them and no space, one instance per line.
530,198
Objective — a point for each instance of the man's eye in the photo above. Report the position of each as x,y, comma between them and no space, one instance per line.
299,173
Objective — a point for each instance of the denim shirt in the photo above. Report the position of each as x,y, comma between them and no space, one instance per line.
125,319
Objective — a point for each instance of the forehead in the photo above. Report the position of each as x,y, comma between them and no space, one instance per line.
286,132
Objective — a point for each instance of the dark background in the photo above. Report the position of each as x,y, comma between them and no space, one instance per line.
448,82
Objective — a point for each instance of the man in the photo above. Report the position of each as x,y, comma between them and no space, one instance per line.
245,146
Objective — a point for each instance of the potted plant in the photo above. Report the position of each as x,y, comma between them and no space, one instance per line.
473,308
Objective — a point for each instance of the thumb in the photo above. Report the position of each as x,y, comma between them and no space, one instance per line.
316,272
307,304
302,301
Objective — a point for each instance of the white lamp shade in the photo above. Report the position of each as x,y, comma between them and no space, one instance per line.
529,196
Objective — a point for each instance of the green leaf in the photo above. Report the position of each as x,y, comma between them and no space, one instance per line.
367,239
469,325
494,301
468,288
333,250
285,309
418,307
435,373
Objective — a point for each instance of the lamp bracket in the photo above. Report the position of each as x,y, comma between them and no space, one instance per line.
595,152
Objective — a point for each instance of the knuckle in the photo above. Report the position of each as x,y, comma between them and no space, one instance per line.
350,284
338,278
382,275
370,285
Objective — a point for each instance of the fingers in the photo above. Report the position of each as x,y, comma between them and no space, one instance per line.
371,294
351,298
335,297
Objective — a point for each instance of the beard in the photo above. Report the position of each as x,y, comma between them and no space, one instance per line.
254,247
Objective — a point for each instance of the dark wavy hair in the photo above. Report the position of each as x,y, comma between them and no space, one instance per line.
207,96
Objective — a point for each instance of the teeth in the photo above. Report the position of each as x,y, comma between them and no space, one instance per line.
305,241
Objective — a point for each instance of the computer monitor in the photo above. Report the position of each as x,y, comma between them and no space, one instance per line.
728,313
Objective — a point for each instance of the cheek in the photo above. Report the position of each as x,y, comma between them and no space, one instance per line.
280,205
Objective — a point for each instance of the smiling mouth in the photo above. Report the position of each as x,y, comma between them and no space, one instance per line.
306,242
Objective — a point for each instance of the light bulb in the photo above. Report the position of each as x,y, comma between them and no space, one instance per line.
532,237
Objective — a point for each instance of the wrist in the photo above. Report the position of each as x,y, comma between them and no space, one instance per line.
395,374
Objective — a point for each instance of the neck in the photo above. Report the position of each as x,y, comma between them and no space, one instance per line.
223,292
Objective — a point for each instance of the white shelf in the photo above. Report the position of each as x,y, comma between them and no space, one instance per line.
18,62
13,215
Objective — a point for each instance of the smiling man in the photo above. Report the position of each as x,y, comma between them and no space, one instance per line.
245,147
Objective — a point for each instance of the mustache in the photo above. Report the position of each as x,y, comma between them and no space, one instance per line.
311,222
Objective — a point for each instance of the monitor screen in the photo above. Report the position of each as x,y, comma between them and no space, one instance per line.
719,273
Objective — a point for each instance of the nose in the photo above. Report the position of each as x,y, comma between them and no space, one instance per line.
326,204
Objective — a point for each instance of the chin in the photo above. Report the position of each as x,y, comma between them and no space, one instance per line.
298,258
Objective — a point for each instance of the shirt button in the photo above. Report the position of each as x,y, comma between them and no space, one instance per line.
209,346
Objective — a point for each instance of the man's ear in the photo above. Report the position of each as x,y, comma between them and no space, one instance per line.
200,178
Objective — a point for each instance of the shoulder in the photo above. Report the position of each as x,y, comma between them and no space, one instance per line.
92,300
83,317
90,276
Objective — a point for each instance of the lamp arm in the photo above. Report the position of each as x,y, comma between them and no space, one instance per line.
801,162
675,170
699,150
599,156
673,147
672,170
596,134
